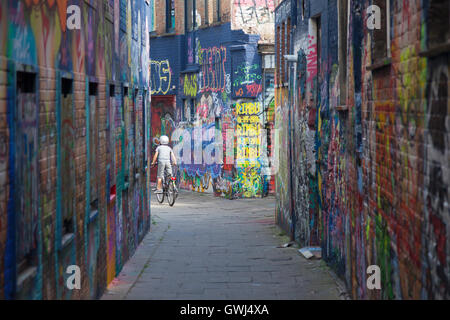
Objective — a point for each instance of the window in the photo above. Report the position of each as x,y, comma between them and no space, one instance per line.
283,52
216,125
135,126
92,119
269,61
438,23
193,111
123,16
190,15
66,118
268,89
125,95
303,9
219,13
112,90
342,47
143,126
288,48
93,88
217,16
206,12
152,16
170,15
25,203
381,47
279,54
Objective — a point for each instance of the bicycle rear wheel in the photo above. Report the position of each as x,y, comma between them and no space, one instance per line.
171,193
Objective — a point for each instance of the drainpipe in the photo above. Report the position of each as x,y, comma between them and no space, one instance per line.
291,59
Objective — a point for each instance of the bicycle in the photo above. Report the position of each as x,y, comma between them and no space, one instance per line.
169,189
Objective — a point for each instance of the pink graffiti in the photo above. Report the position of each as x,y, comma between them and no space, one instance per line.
254,89
202,110
213,69
190,51
312,59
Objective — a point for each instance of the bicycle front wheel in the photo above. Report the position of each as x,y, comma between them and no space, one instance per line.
160,197
171,193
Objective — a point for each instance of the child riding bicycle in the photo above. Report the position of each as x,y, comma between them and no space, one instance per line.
163,155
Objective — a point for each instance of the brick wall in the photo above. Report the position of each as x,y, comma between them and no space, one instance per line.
69,193
160,14
188,94
255,17
370,126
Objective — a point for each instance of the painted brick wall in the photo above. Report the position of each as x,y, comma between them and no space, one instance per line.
69,192
373,166
255,17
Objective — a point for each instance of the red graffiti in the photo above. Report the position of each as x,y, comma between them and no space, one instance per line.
254,89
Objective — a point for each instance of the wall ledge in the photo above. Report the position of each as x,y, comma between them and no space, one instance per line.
436,50
378,64
342,108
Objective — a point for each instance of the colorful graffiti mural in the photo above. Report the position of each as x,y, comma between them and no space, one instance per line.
254,16
163,123
67,146
161,76
203,109
367,181
248,149
247,80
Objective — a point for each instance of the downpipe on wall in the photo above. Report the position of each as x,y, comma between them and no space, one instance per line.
291,59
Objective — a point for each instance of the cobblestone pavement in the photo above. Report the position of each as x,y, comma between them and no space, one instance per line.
212,248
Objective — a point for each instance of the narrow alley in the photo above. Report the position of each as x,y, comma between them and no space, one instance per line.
309,142
212,248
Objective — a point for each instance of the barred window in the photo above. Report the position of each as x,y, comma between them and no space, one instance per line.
170,15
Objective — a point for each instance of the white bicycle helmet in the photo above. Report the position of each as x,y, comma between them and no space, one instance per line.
164,140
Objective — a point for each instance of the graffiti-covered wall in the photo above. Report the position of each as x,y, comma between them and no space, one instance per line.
254,16
74,143
365,174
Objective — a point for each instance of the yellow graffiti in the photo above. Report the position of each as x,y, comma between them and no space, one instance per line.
160,76
47,32
190,85
248,132
248,108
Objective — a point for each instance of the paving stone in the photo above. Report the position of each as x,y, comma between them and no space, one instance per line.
213,248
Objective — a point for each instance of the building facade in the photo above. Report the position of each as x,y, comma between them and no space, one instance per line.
74,141
362,107
213,90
